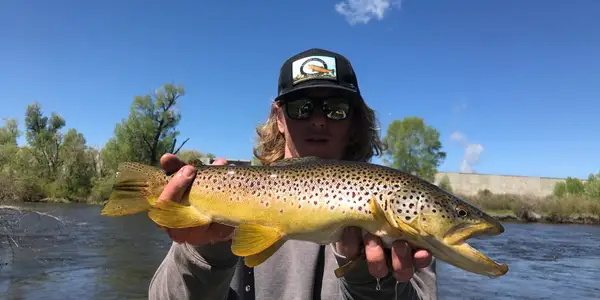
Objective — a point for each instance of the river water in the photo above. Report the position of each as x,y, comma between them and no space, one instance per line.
95,257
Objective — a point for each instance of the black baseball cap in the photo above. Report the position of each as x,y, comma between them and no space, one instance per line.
317,68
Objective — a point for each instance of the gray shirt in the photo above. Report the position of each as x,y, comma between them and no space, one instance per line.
213,272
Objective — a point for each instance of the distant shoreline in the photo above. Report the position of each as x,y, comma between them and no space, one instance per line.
532,217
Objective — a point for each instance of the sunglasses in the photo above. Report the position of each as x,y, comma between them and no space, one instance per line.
333,108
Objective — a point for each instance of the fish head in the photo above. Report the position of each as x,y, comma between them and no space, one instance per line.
444,223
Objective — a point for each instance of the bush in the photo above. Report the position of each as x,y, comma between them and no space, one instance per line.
444,184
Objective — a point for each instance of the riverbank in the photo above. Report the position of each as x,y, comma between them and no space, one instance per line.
526,209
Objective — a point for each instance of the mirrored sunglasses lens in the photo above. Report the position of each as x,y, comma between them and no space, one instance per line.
336,109
299,109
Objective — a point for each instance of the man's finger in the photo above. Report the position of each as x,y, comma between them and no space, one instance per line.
422,258
219,162
375,256
177,186
171,163
197,236
349,246
179,235
402,261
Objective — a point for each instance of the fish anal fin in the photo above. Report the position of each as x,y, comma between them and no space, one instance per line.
258,258
174,215
250,239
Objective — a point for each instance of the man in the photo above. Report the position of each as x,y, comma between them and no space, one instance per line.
319,112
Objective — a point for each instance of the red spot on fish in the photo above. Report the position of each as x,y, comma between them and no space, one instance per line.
360,208
332,207
326,194
315,202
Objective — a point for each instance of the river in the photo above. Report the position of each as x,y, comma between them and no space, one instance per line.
95,257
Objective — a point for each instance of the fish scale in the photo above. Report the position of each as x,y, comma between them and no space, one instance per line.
312,199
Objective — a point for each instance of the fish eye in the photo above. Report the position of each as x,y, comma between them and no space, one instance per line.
461,211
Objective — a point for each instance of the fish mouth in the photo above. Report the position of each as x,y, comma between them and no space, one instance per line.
454,249
462,232
472,260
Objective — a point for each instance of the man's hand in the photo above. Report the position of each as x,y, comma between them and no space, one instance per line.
404,260
174,191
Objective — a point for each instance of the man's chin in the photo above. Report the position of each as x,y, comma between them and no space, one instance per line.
320,149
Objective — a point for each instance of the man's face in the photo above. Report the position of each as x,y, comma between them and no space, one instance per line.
316,135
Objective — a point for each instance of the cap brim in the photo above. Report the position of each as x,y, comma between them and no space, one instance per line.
335,88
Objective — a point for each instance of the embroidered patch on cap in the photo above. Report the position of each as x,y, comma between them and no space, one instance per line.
314,67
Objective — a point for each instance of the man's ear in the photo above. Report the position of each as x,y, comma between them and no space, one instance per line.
280,118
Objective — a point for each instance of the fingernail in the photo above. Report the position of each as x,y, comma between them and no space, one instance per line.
402,249
187,172
372,243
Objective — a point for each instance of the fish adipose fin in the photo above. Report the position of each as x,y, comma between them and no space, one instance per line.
251,239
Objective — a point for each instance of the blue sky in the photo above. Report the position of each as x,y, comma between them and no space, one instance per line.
515,82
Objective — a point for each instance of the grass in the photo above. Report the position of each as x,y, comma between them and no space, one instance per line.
569,209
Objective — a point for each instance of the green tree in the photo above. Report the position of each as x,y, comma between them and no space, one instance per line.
77,169
44,136
194,157
574,186
9,133
560,189
414,147
148,132
592,186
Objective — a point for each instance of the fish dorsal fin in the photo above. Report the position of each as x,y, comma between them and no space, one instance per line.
296,160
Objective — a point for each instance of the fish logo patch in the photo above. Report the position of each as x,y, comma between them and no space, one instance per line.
314,67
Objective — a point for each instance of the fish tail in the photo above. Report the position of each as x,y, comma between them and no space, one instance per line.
136,189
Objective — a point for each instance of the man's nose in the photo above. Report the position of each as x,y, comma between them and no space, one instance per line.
318,118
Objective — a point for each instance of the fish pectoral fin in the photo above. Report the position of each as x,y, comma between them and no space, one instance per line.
250,239
380,214
174,215
406,228
260,257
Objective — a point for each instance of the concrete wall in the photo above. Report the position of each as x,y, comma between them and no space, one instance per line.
469,183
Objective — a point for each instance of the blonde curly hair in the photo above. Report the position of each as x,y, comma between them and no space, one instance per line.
363,145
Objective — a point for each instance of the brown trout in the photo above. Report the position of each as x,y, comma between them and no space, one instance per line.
313,199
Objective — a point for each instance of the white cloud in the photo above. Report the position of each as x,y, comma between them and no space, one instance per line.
472,152
362,11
